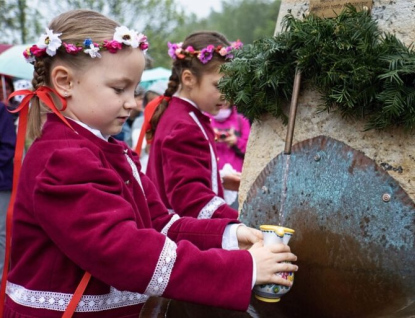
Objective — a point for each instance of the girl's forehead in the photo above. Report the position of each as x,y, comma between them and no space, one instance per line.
124,66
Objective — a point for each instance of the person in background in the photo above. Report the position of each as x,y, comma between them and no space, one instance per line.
137,124
183,159
6,88
85,213
21,85
7,148
154,90
126,133
231,135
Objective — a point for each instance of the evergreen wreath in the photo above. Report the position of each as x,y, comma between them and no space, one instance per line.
357,69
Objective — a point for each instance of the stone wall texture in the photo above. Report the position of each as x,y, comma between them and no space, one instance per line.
394,147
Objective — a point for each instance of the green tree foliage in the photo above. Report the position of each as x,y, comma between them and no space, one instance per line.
18,22
160,20
247,20
22,23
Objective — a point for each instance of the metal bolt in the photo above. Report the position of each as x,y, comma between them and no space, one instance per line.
386,197
264,189
317,157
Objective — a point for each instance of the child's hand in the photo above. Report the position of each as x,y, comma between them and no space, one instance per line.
232,181
247,236
231,139
269,260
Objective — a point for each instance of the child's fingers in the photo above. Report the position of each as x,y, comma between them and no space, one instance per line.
283,267
280,281
279,248
257,233
285,257
257,245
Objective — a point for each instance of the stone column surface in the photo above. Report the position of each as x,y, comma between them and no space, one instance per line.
267,139
393,147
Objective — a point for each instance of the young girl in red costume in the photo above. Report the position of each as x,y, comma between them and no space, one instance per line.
83,210
183,159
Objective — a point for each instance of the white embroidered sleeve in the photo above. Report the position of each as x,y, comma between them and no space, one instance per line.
163,270
165,229
210,208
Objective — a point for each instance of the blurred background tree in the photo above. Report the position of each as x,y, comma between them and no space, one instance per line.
23,21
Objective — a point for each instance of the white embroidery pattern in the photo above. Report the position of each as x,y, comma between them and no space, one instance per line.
168,225
162,272
214,177
210,208
59,301
135,170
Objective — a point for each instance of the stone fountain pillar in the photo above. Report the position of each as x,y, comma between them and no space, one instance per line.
394,148
350,196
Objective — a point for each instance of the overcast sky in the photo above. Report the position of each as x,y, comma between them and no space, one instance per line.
200,7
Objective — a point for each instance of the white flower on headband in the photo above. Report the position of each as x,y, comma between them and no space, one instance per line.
49,41
93,51
126,36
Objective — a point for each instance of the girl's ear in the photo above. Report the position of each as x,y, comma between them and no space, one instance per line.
61,78
188,79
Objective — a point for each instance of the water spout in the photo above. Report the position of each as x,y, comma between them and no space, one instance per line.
293,112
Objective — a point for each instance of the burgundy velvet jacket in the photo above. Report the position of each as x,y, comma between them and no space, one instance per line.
183,163
80,207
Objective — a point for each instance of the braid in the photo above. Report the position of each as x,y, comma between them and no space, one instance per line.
40,78
172,88
173,84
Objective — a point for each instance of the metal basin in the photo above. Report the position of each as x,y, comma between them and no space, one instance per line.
355,231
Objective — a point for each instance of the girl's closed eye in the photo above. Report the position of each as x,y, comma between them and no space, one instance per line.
118,90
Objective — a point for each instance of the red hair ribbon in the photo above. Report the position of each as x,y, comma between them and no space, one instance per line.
44,94
148,114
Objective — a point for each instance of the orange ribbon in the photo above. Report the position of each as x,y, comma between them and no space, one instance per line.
148,114
44,94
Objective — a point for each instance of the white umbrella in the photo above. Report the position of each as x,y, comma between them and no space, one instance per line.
13,63
155,74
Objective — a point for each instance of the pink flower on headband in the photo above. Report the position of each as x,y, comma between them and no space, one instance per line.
112,46
190,49
173,48
36,51
223,51
237,44
71,48
50,42
206,54
28,56
142,40
176,51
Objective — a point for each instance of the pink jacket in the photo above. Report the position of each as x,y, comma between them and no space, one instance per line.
232,155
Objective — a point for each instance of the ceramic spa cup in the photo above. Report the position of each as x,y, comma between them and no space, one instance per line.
272,293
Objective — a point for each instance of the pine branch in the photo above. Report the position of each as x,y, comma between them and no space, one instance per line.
357,69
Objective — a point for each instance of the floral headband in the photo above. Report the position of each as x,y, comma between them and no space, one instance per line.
176,51
50,42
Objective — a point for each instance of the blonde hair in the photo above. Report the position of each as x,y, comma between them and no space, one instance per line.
75,26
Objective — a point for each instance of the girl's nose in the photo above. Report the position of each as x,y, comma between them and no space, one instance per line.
130,103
